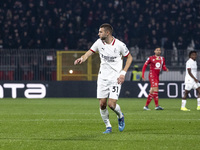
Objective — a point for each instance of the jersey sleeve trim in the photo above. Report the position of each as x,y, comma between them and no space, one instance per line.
92,50
127,54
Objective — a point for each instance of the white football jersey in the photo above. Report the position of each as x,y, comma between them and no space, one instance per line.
192,64
111,57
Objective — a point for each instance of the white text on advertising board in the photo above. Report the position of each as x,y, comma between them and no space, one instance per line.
31,90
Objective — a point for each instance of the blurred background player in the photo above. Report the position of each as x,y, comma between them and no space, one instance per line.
111,75
136,74
191,81
156,63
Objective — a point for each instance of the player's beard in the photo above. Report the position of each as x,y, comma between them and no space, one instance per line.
158,54
103,38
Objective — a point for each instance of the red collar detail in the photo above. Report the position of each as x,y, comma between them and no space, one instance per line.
113,42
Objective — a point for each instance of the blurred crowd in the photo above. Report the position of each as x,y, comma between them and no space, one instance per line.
74,24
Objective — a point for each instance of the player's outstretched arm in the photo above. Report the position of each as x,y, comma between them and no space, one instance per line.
164,65
143,71
83,58
128,62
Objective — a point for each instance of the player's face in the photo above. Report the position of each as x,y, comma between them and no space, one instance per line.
102,34
193,56
157,51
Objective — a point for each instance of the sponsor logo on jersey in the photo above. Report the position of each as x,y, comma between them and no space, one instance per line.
108,58
157,65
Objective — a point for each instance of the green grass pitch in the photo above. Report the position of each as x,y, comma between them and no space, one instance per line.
75,123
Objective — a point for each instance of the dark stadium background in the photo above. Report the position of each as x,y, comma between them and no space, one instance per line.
32,31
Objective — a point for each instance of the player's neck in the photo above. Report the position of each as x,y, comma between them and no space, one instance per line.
109,39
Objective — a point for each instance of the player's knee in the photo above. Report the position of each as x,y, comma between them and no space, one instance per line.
184,97
103,106
112,106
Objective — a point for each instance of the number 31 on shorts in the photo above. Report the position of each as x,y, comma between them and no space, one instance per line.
115,89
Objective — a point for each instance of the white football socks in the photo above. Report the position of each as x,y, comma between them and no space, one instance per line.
183,103
117,110
105,116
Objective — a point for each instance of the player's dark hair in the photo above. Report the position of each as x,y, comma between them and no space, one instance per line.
191,52
108,27
157,48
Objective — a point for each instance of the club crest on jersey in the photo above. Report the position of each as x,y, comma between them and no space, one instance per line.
157,65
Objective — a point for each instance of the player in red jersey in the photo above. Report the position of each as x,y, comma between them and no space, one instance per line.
157,63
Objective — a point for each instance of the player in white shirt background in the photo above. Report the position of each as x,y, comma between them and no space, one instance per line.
111,74
191,81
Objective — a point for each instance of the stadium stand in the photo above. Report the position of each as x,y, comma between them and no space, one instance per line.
143,25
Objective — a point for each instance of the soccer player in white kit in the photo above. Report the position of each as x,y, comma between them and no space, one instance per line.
191,81
111,75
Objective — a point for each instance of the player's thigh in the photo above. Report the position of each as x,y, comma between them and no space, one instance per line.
154,83
102,89
115,89
196,86
188,86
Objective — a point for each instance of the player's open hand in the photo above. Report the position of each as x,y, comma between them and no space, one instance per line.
121,79
78,61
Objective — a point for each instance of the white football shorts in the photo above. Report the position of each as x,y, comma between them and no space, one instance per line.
190,86
108,89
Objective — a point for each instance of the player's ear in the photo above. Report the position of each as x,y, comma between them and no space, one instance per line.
107,32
